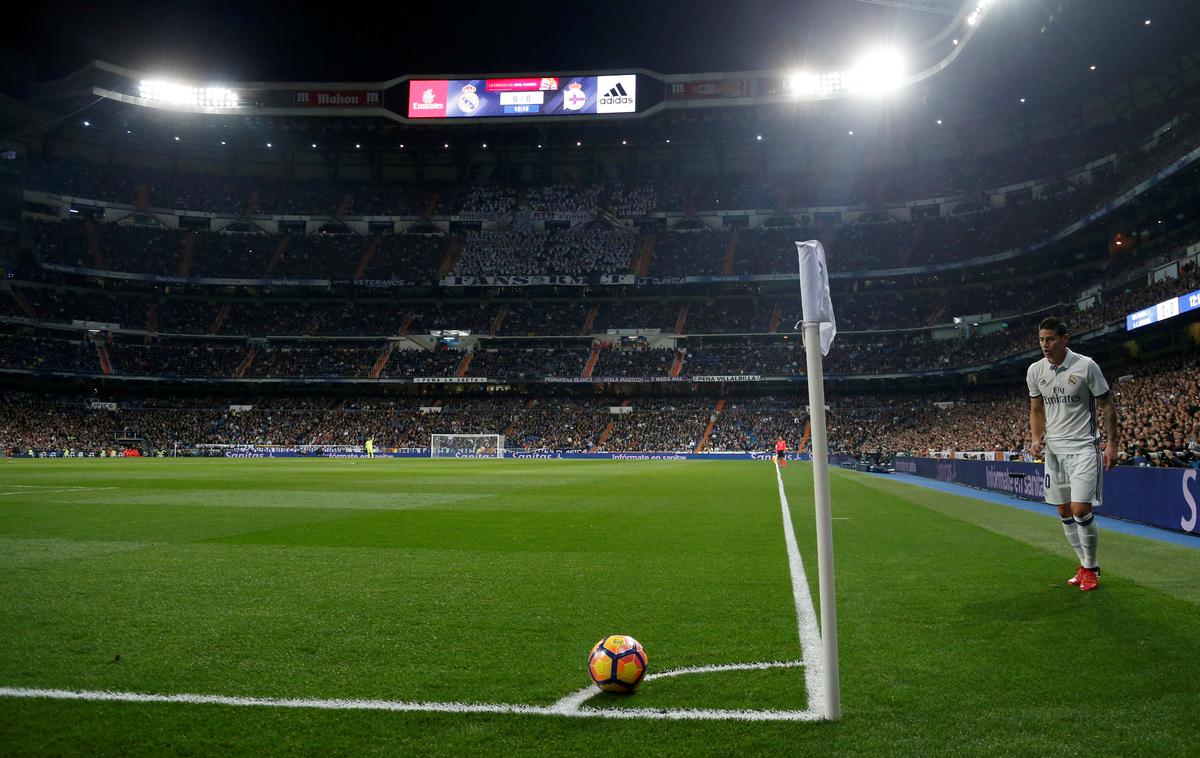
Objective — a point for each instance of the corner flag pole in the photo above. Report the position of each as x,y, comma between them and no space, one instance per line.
818,308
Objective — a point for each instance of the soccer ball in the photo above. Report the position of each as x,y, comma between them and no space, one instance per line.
617,663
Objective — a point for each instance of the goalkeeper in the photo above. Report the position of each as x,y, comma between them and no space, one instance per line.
370,447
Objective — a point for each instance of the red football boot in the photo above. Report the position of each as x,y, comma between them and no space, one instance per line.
1090,580
1075,580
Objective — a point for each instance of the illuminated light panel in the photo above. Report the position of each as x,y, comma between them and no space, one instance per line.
185,95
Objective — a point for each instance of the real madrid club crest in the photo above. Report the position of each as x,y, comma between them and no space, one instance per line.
468,101
573,97
1073,380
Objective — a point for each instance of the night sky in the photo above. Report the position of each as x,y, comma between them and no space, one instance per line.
344,41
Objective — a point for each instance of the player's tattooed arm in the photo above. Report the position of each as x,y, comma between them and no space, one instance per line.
1108,414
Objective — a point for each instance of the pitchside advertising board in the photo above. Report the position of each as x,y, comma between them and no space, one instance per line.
1163,497
522,96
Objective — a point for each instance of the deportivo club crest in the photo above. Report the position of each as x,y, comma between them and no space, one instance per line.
573,98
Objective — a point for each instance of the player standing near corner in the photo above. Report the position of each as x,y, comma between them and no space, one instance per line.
781,452
1065,389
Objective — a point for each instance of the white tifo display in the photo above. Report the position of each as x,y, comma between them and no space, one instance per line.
467,446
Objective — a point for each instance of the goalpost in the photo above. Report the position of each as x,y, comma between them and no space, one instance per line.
466,446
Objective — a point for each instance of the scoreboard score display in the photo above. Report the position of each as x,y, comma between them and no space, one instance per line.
522,96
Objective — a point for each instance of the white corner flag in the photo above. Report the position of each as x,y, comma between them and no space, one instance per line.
819,330
814,291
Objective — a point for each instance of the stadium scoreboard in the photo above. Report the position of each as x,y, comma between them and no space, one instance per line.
1163,311
523,96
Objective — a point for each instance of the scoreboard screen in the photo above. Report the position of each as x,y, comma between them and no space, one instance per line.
522,96
1167,309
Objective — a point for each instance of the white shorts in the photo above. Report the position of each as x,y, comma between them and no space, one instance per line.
1074,478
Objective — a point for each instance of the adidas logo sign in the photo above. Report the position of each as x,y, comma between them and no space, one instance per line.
616,96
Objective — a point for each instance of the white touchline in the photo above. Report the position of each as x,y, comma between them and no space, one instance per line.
806,613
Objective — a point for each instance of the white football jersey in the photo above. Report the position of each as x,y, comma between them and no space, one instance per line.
1069,393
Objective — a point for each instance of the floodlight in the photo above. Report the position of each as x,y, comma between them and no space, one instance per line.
804,84
877,72
185,95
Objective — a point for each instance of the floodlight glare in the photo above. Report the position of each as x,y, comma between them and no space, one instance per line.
876,72
160,91
804,84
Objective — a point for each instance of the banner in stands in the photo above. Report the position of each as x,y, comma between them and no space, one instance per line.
350,451
536,280
520,280
713,89
613,379
741,378
1163,497
449,380
166,279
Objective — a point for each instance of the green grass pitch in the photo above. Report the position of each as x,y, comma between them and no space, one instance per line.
489,581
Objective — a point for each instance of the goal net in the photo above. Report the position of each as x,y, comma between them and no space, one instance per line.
467,446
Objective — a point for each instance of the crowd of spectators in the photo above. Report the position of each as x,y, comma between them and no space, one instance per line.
1158,409
660,425
1158,414
326,361
755,423
634,362
239,255
874,241
689,253
19,351
160,359
596,248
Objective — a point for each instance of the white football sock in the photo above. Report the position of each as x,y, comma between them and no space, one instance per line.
1072,531
1089,535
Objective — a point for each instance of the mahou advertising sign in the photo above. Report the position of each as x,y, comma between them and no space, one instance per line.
341,99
